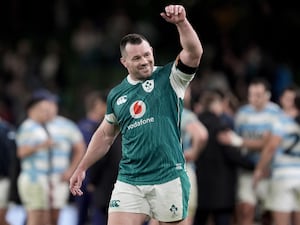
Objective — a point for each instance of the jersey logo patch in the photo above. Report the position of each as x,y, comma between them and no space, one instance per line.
148,85
121,100
137,109
173,209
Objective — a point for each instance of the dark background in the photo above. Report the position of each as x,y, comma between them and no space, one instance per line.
227,29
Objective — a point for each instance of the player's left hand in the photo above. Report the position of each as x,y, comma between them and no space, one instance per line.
258,175
174,14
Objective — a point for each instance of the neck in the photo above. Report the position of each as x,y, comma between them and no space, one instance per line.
95,116
292,112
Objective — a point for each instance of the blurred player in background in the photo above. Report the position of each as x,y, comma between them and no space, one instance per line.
253,123
50,147
281,155
7,152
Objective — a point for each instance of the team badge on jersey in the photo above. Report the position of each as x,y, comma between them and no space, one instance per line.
137,109
121,100
148,85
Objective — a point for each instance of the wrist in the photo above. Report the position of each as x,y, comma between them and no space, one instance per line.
236,140
182,22
258,172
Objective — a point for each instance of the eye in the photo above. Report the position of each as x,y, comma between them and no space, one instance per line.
147,54
136,58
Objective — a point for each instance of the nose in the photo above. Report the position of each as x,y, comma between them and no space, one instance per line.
143,61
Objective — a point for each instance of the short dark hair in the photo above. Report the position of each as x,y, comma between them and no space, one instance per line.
134,39
92,97
41,95
262,81
208,97
291,87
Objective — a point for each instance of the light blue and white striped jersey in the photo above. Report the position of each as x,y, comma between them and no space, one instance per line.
31,133
62,131
253,124
65,133
187,117
286,161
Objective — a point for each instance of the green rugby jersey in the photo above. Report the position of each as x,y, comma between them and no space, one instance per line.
148,114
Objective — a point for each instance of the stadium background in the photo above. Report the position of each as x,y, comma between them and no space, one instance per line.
71,46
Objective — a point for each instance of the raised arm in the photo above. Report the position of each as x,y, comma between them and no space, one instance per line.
100,143
191,46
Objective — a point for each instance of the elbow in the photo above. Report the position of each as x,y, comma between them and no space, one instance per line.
203,134
24,151
198,53
21,154
196,56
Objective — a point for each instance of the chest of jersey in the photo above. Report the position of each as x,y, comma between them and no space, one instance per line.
145,103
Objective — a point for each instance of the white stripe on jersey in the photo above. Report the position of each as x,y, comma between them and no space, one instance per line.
180,81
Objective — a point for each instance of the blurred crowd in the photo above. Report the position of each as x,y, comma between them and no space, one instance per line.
243,158
71,47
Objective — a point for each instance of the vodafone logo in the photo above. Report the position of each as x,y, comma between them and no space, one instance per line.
137,109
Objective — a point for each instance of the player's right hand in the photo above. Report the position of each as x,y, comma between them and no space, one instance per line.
174,14
76,182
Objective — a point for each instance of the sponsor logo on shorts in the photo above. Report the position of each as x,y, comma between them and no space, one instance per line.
114,203
173,210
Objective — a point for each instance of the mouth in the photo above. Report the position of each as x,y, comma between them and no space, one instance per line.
145,68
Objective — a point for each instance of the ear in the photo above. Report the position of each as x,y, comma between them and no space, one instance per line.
123,61
268,95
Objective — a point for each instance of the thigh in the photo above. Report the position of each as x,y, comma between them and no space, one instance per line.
59,192
182,222
281,218
193,200
126,218
169,201
129,198
282,196
296,218
4,190
34,194
155,222
3,213
38,217
245,192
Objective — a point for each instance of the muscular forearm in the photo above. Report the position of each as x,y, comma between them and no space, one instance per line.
25,151
253,145
267,153
264,161
97,148
192,48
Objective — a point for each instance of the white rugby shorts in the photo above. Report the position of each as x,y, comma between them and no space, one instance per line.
165,202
